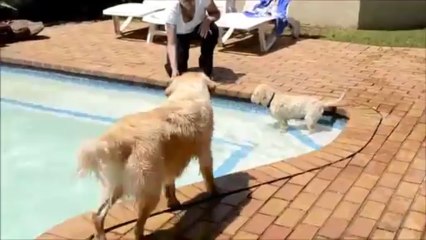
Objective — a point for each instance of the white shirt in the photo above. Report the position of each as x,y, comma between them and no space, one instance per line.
174,16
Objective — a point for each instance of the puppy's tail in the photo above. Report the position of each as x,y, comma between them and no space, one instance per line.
336,102
90,156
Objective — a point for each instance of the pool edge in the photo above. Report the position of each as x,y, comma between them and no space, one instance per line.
221,91
360,129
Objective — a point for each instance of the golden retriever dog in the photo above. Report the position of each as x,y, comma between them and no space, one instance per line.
145,152
284,107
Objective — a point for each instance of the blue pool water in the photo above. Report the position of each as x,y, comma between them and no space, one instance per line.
45,116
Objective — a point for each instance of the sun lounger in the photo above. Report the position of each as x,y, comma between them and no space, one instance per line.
239,21
133,10
156,23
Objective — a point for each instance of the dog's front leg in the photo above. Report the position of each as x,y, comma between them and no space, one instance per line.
208,177
98,221
170,192
206,169
147,203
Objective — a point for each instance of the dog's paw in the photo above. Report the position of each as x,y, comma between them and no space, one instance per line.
142,237
99,237
145,237
174,204
215,191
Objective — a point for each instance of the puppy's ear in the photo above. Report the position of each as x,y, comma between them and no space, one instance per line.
267,90
253,96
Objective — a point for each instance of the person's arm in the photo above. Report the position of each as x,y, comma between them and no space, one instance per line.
171,47
171,20
213,12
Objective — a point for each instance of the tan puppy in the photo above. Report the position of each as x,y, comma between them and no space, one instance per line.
144,152
285,107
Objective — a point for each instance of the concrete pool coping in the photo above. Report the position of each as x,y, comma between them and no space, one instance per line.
360,128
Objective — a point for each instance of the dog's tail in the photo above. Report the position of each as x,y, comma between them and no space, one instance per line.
91,154
336,102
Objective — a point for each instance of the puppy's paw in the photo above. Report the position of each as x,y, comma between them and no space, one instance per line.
311,130
284,129
275,125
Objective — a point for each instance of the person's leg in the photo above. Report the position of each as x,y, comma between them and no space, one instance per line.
183,43
208,45
182,54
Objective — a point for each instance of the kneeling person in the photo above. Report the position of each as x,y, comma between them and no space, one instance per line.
189,20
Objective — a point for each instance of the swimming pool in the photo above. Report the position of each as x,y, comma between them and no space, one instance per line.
45,116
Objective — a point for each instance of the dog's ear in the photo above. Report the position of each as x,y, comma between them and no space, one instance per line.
167,92
170,88
211,85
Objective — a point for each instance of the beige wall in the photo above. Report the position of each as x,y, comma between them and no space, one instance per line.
392,14
365,14
341,13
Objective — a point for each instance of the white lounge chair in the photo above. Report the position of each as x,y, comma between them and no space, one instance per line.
133,10
239,21
157,20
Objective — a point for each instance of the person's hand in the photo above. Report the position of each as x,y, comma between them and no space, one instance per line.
205,28
175,73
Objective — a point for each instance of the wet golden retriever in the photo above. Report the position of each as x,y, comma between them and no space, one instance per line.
143,153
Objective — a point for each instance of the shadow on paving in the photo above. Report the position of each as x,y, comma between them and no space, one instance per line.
5,41
140,35
208,219
248,44
226,75
244,43
222,75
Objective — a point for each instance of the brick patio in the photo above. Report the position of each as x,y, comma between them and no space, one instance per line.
369,183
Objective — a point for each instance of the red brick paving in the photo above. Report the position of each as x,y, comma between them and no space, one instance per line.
377,193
